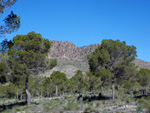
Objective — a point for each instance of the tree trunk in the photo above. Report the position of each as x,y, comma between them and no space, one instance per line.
21,95
71,92
17,94
47,92
101,89
41,91
113,91
145,91
56,90
28,95
118,88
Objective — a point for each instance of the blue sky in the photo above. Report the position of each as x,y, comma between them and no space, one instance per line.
86,22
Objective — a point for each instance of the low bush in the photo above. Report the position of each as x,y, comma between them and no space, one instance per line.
71,106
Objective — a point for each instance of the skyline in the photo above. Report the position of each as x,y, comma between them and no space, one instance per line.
86,22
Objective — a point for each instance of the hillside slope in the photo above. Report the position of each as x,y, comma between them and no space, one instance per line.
142,64
72,58
68,66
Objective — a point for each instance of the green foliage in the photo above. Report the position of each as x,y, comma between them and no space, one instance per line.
116,57
94,82
4,46
30,50
145,103
12,21
104,111
71,106
51,63
67,86
4,57
20,69
139,109
48,86
125,71
5,4
105,76
90,110
98,104
32,42
128,100
58,78
127,85
7,90
35,85
78,81
143,77
26,56
4,69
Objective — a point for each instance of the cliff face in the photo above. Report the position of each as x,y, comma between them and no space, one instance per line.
65,49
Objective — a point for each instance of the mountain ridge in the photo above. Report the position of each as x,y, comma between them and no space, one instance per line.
65,49
72,58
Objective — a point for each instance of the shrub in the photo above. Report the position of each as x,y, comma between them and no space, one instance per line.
97,104
103,102
90,104
141,101
71,106
120,105
61,111
47,108
90,110
139,109
128,100
104,111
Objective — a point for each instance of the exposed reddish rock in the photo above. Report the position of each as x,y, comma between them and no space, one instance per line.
65,49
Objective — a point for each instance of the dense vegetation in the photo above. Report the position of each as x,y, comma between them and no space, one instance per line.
25,57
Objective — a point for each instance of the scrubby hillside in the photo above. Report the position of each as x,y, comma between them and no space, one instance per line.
72,58
69,66
142,64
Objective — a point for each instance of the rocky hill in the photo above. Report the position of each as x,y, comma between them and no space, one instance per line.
142,64
65,49
72,58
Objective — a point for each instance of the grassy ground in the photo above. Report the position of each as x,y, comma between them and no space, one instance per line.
71,105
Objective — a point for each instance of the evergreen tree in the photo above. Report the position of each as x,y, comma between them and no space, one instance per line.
114,56
29,51
93,82
78,81
143,78
4,69
112,61
58,79
12,21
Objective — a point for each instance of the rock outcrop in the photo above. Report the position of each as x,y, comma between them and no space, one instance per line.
71,58
65,49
